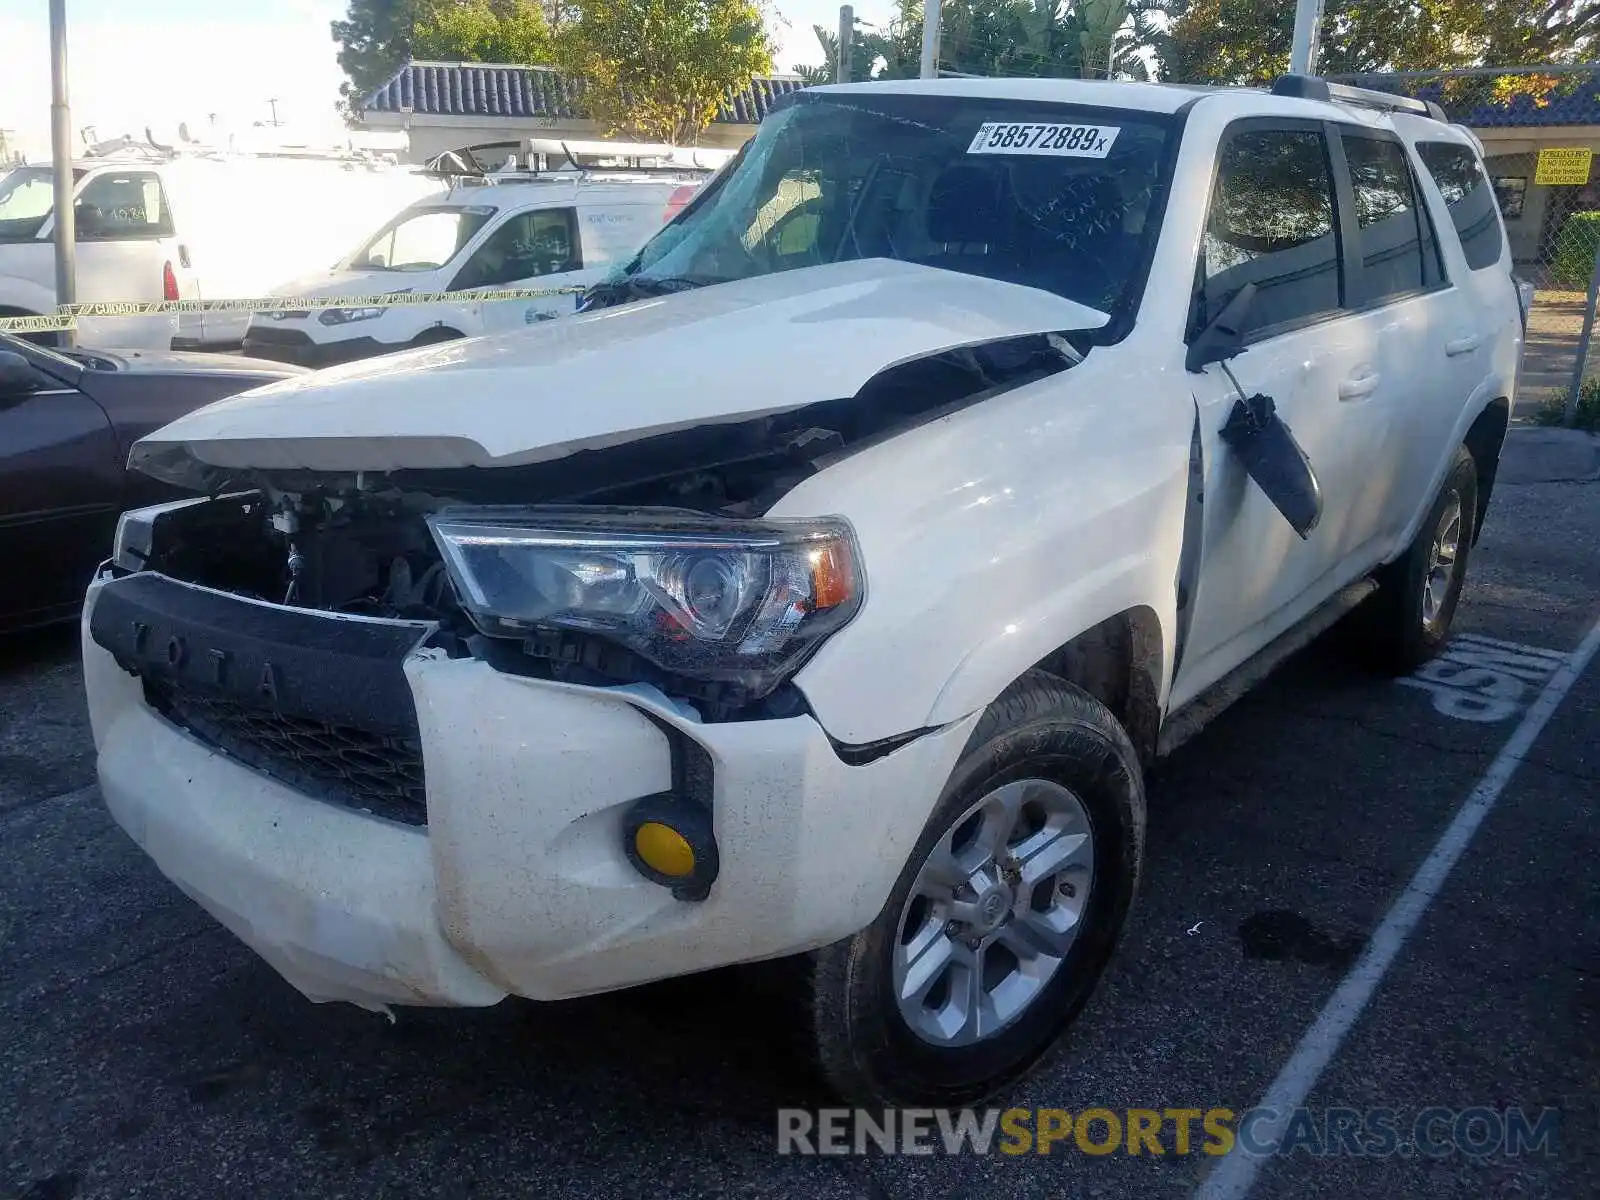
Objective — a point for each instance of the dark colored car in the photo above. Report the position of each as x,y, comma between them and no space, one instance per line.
67,420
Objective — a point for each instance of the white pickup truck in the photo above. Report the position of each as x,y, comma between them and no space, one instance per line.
824,588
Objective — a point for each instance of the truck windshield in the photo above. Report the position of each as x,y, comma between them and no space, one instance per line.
26,197
1061,197
421,239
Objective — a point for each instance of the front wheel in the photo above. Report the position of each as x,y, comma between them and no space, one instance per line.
1003,921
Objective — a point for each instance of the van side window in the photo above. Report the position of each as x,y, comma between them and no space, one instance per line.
1469,197
1390,237
1272,224
120,206
541,241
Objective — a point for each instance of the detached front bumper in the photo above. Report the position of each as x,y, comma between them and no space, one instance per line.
518,881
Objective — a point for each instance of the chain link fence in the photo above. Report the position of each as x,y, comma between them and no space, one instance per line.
1554,231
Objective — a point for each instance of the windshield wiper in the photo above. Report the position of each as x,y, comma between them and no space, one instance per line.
641,287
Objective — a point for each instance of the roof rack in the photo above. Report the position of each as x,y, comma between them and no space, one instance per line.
534,159
1310,87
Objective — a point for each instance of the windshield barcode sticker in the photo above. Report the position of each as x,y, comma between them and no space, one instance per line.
1069,141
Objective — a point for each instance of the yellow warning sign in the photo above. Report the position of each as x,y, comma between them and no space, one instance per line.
1564,167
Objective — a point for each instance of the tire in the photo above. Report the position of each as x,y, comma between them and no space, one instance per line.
1054,746
1407,622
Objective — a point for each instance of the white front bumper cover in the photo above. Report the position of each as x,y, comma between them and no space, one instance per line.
519,882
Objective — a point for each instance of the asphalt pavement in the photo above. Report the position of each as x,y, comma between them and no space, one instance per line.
145,1053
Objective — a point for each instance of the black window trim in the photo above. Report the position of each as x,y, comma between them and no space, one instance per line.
1354,264
1341,201
574,232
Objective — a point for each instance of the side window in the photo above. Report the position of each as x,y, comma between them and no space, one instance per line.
1389,241
527,245
1469,197
1272,224
122,206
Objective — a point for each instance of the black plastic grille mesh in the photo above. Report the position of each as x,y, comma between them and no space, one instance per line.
375,772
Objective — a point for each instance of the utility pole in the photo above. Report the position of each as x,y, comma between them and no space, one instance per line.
847,33
930,39
274,103
1307,31
66,228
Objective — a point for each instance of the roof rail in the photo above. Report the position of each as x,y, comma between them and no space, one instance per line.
1310,87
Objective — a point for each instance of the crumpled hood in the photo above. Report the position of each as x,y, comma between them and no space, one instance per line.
717,354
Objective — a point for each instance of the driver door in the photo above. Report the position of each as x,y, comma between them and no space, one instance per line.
537,248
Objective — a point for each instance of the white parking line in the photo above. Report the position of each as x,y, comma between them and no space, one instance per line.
1235,1174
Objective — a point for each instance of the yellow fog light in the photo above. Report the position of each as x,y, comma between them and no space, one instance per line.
669,840
664,849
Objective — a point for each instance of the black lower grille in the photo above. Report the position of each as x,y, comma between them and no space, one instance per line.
374,772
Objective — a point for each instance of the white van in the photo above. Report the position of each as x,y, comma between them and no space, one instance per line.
155,223
519,231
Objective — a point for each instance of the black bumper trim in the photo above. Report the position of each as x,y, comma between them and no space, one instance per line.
298,662
296,347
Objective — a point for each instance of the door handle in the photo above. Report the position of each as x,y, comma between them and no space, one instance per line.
1464,345
1359,387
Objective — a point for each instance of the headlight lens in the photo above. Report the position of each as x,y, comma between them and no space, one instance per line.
739,602
343,316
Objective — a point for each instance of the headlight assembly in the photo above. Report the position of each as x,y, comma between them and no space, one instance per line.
343,316
733,601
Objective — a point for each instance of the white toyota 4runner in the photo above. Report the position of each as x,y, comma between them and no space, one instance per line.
824,589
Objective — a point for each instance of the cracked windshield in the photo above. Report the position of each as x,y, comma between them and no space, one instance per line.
1063,198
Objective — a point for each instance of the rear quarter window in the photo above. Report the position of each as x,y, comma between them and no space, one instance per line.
1469,197
118,206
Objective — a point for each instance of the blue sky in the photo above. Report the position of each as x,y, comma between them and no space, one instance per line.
165,61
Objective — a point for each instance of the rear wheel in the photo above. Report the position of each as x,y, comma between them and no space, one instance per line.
1004,919
1408,621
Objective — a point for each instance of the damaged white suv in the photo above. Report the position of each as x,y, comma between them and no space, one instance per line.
824,588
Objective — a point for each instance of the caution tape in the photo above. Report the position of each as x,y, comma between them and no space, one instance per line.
46,324
65,316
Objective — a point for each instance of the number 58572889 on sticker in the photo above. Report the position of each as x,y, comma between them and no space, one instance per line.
1064,141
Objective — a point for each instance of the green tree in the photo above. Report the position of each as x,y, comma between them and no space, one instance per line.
374,40
377,36
1002,37
1248,41
506,31
660,69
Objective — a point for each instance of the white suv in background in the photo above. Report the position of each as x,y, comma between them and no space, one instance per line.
559,231
824,589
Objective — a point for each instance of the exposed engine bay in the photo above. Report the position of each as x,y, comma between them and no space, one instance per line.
359,544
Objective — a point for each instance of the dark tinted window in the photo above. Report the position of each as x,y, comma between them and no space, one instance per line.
1471,201
1390,247
529,244
1272,224
122,206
